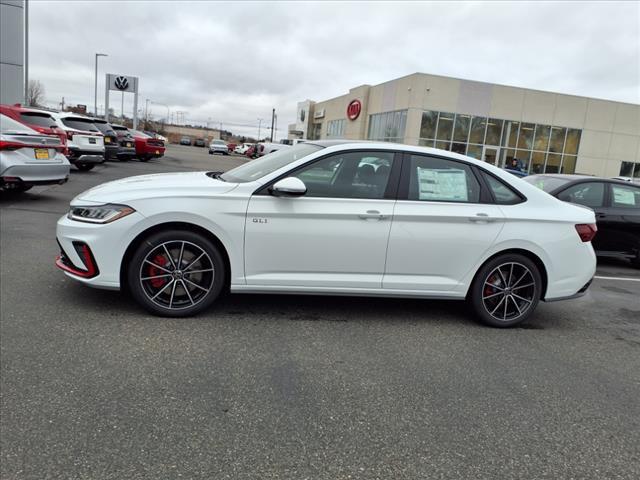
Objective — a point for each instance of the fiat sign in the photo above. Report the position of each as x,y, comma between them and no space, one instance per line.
353,109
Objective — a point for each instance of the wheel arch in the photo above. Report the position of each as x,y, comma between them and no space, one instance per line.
520,251
137,241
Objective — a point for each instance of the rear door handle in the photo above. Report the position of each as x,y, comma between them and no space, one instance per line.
372,215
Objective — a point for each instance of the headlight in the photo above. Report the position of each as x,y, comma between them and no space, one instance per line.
100,213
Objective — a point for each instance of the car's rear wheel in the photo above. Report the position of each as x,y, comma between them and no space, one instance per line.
85,167
144,158
506,290
176,273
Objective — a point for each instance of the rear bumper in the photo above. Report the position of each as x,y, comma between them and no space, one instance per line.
124,152
579,294
111,152
87,159
36,174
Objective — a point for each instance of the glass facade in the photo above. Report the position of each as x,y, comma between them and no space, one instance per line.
536,148
388,126
335,128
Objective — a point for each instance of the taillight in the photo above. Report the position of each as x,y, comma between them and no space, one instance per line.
11,145
70,134
586,231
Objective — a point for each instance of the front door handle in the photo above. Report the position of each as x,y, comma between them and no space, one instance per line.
372,215
481,218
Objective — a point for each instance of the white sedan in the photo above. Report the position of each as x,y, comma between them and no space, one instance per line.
333,218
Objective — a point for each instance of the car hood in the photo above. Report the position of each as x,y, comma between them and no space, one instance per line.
161,185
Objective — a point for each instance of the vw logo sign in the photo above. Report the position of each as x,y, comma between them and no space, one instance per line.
121,83
353,109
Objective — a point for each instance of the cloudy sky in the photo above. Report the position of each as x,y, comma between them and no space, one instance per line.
233,62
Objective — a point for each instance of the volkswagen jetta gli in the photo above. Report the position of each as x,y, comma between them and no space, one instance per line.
333,218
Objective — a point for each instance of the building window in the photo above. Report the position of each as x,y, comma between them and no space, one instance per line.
335,128
536,148
388,127
316,131
630,169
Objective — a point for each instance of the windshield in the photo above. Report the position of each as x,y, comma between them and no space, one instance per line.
548,184
269,163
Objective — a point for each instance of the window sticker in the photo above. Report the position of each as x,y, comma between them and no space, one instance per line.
442,184
622,196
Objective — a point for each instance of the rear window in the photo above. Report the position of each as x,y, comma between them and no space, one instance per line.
40,119
104,127
80,124
545,183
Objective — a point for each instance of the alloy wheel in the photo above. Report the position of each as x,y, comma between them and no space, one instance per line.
176,275
508,291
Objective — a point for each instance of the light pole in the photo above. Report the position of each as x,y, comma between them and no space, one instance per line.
95,88
259,125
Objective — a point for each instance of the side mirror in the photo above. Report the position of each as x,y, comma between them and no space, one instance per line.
289,187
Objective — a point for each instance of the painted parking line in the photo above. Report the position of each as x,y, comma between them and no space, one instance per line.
622,279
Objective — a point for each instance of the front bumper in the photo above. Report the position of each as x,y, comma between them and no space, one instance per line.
107,244
111,151
126,153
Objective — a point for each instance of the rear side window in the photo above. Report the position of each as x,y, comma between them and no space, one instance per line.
590,194
439,180
80,124
625,196
502,193
42,120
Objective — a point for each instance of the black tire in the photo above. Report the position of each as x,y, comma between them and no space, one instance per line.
179,294
17,189
493,293
85,167
144,159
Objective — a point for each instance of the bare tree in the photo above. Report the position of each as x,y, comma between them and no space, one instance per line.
35,93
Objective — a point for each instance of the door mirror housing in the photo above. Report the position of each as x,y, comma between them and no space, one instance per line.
288,187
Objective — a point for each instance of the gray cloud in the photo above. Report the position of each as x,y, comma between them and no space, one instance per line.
233,62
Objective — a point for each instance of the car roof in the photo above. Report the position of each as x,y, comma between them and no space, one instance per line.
576,177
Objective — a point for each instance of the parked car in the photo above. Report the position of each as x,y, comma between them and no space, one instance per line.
29,158
146,146
434,224
242,148
38,120
218,146
264,148
200,142
111,145
617,208
85,143
516,173
126,142
231,147
252,151
185,141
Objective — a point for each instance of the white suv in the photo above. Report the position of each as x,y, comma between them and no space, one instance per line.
84,141
218,146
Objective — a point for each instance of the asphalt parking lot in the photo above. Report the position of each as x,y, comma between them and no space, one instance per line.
301,387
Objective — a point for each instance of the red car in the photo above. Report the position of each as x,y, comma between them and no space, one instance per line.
147,147
38,120
232,147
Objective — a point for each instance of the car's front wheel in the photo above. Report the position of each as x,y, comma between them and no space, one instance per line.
85,167
506,290
176,273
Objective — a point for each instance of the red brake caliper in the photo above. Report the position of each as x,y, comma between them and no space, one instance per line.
488,289
153,271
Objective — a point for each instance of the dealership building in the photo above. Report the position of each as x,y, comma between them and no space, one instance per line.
545,132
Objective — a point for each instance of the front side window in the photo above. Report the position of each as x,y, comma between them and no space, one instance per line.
625,196
590,194
439,180
348,175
